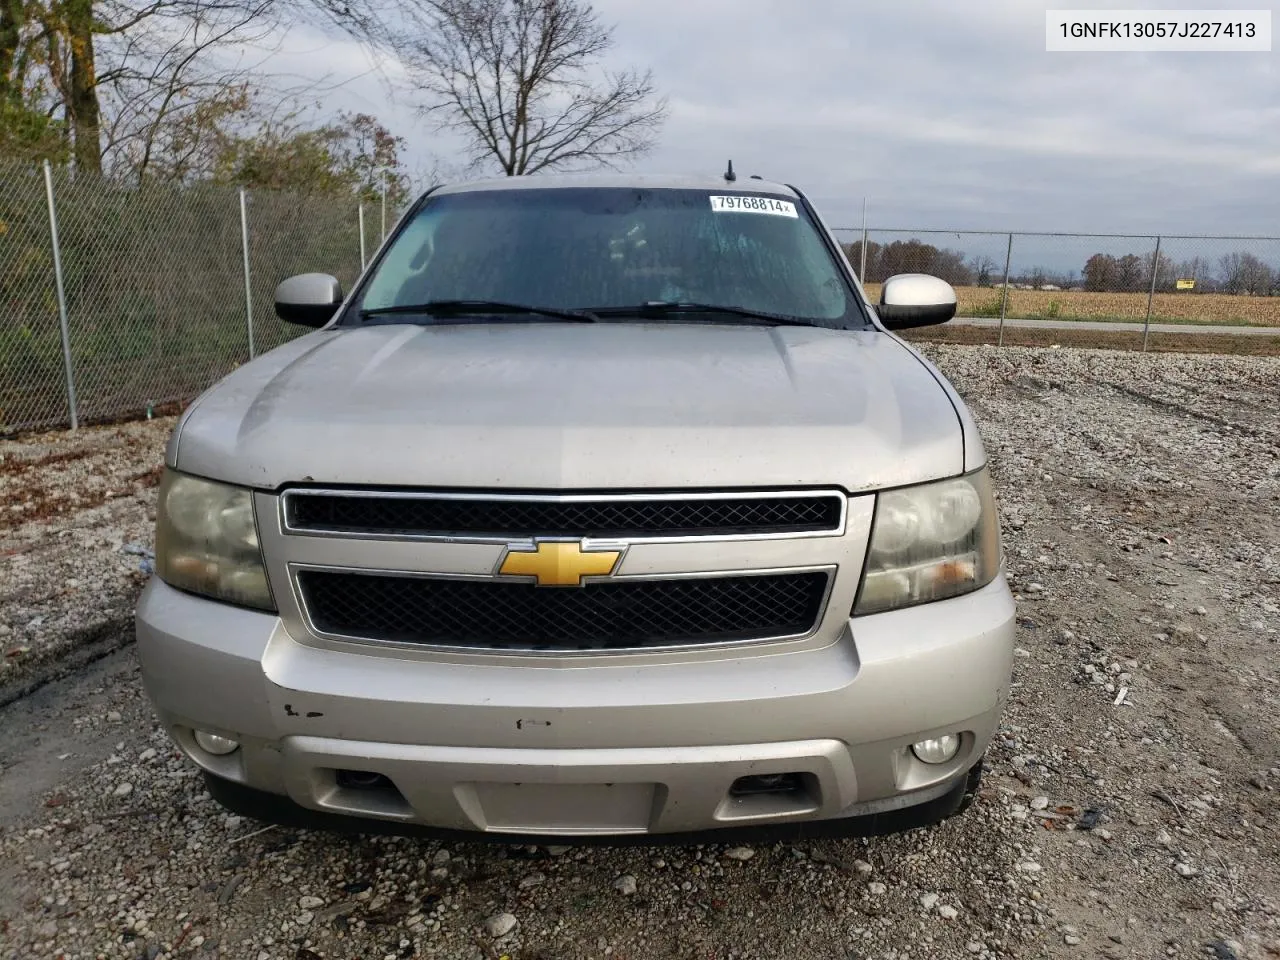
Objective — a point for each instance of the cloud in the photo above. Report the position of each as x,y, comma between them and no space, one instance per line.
941,114
953,114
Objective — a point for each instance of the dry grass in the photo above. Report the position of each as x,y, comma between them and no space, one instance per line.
1080,305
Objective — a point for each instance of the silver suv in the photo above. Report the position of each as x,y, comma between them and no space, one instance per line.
602,507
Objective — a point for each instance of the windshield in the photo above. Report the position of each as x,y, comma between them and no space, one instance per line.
612,249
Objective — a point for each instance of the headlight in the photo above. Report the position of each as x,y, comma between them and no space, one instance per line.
931,542
207,541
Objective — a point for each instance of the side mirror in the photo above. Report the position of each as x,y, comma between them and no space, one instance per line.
915,300
309,299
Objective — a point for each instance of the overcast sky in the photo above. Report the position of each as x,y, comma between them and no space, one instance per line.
940,114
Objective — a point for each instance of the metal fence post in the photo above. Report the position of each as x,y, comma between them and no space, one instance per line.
248,285
64,327
384,206
1155,273
363,261
862,269
1004,290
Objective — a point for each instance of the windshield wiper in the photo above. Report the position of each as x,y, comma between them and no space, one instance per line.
465,308
665,308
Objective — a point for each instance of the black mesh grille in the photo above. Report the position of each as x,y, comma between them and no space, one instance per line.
692,516
601,616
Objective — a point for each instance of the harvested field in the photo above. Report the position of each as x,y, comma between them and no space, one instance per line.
1215,308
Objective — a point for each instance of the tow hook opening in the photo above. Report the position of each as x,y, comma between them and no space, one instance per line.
363,792
363,780
767,783
768,795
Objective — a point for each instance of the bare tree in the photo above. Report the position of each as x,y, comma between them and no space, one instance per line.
516,78
163,85
28,127
1198,269
1131,271
1165,271
1245,273
97,63
123,74
983,266
63,41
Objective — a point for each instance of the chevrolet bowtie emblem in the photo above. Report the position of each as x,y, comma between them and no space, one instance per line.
558,563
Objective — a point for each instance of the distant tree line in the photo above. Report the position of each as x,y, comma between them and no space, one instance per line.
911,256
1239,273
914,256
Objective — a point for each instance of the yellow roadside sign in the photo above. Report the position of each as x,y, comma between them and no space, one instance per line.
1186,284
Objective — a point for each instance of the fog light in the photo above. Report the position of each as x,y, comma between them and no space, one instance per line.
212,743
937,749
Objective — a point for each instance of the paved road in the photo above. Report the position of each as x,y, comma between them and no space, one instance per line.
1120,327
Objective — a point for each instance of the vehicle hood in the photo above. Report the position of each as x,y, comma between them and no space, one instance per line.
553,406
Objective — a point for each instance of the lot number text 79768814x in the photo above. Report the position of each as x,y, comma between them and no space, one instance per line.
749,204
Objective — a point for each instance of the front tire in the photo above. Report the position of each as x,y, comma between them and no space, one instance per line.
972,783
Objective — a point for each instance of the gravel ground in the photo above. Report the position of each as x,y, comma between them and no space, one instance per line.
76,516
1130,809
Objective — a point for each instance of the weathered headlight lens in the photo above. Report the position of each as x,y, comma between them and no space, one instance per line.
207,541
956,508
189,512
931,542
899,522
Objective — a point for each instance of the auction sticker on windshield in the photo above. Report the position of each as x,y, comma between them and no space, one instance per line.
779,208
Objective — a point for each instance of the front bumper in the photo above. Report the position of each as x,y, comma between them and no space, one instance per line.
588,748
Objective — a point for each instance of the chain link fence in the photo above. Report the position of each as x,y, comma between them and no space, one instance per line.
32,377
1101,278
117,299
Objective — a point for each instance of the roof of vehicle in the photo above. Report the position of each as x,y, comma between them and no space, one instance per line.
548,181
